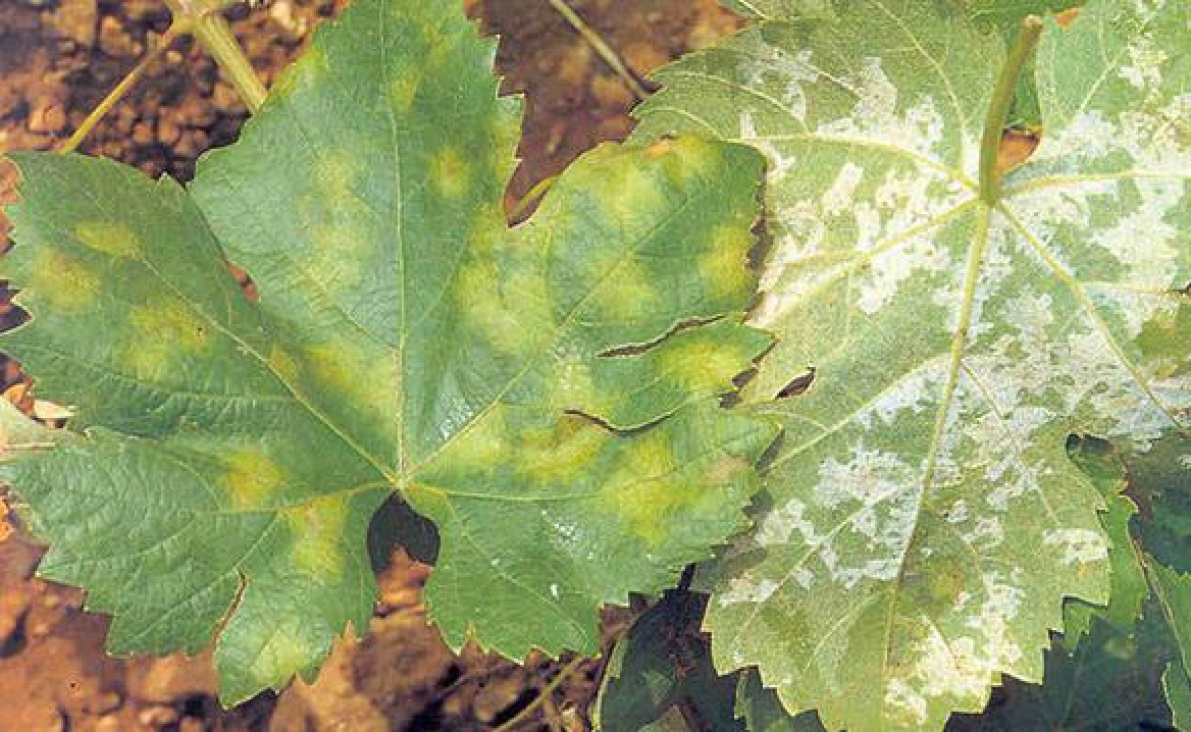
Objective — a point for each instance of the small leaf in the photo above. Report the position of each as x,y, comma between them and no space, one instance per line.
1128,588
922,523
661,662
546,395
1112,682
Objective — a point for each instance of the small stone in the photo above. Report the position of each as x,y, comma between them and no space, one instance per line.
168,131
77,21
114,40
157,716
47,117
102,703
165,680
142,133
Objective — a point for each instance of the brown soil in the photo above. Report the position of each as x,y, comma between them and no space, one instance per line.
57,60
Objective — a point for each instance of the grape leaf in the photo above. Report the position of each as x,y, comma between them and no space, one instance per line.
660,662
1113,681
1127,584
547,395
762,711
922,523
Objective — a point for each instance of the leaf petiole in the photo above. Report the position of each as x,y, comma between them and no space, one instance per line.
1002,101
212,31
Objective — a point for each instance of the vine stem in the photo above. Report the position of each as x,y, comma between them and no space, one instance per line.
177,29
998,110
211,30
605,51
540,699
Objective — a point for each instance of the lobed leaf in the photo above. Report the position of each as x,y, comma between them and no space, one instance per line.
546,395
921,523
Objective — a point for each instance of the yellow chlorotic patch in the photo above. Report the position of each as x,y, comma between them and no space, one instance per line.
563,451
110,238
287,652
404,89
450,172
642,503
282,363
693,159
725,267
336,176
484,446
572,387
252,479
505,324
317,529
628,292
165,332
703,365
65,284
631,194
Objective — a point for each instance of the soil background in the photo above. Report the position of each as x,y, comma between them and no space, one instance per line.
58,58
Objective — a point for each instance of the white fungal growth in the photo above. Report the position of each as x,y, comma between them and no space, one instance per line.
746,590
1078,546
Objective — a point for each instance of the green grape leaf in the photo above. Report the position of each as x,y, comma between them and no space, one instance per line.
922,522
1127,585
546,395
660,662
762,711
1113,681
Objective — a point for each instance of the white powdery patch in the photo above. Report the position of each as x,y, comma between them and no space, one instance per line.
870,477
961,669
915,392
839,197
746,590
780,163
779,525
1144,70
1079,546
772,65
1144,240
903,699
877,115
1087,137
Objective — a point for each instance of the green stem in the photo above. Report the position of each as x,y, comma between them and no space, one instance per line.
1002,101
125,85
602,48
212,31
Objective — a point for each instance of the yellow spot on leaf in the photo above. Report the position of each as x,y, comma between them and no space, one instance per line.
404,90
113,239
631,194
565,450
644,503
725,268
287,652
166,332
484,446
283,363
65,284
317,529
450,173
702,365
629,292
252,479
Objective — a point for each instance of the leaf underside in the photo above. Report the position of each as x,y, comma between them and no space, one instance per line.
922,523
547,395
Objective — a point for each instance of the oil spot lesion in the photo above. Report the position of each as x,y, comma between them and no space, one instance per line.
252,479
450,172
111,238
